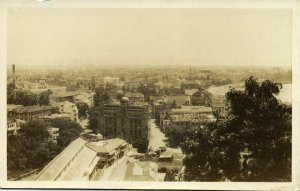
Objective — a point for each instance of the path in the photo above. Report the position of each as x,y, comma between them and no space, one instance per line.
157,137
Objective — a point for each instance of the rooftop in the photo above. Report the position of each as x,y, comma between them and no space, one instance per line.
221,90
134,94
65,103
52,170
143,171
133,104
166,154
192,109
56,115
192,118
86,159
52,129
179,99
28,109
106,146
190,91
65,94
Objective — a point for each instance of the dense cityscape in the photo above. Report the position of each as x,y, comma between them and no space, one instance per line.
149,123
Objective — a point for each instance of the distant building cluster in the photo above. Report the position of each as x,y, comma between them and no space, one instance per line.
127,105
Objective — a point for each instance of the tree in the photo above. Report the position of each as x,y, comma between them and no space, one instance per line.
252,143
44,99
142,146
170,173
119,95
68,131
221,82
40,157
174,104
101,96
201,98
110,87
176,135
143,90
30,149
93,119
82,109
10,93
35,129
21,97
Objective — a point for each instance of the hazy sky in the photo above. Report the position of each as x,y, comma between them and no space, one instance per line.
156,36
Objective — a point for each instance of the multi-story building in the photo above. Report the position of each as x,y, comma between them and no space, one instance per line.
53,89
12,127
48,118
192,110
109,150
30,113
67,107
134,97
189,120
53,134
188,117
130,121
85,97
64,96
40,87
219,104
162,108
83,160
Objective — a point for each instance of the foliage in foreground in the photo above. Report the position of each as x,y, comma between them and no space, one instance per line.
253,143
31,149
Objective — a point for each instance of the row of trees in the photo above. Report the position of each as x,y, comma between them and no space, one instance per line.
253,143
31,148
177,135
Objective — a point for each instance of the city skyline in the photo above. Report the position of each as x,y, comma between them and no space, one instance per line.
170,95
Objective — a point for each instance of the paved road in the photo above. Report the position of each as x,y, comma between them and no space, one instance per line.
156,136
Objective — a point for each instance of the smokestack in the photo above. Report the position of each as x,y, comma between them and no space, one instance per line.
14,75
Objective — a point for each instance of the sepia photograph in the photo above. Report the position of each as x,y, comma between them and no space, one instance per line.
151,95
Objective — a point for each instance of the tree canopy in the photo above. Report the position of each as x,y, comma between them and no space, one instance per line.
251,143
68,131
82,109
26,98
101,96
93,119
31,148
